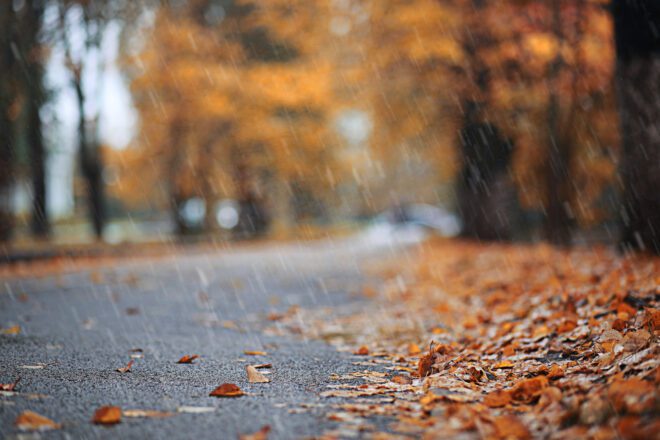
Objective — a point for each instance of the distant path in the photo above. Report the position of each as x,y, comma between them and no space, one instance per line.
77,328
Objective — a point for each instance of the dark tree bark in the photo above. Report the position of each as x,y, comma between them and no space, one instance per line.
90,163
558,223
637,29
484,181
483,189
33,85
7,96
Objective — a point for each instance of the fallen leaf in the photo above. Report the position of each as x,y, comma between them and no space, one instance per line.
107,415
262,434
527,390
255,353
227,390
497,399
9,386
263,365
555,372
127,368
146,413
13,330
402,380
362,351
413,349
31,421
254,376
502,365
195,409
187,359
510,427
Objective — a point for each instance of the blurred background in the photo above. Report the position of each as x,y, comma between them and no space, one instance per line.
134,121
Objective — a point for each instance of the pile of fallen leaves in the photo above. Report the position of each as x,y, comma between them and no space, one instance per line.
500,341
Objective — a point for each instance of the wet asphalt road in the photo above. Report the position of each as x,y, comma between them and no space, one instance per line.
77,328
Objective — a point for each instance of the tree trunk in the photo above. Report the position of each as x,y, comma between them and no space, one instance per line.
90,164
638,75
7,96
35,98
281,210
484,188
557,225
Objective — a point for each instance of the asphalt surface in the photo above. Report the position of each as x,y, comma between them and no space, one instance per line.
77,328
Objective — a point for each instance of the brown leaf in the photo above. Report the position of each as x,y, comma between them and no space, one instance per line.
529,389
107,415
510,427
555,372
254,376
126,369
9,386
227,390
31,421
269,365
362,351
255,353
402,380
497,399
262,434
187,359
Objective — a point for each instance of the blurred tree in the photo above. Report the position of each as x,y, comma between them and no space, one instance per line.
638,73
8,97
32,65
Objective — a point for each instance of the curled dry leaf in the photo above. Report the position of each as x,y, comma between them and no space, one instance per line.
262,434
127,368
255,353
187,359
31,421
254,376
227,390
269,365
107,415
9,386
362,351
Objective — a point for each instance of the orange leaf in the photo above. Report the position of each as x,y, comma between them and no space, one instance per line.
413,349
262,434
126,369
510,427
227,390
362,351
502,365
255,353
187,359
31,421
9,386
497,399
402,380
107,415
